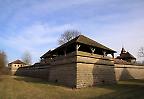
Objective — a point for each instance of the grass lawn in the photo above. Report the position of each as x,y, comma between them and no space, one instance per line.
13,87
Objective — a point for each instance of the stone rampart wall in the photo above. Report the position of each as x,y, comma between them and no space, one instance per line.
125,72
81,69
94,69
63,74
34,71
61,69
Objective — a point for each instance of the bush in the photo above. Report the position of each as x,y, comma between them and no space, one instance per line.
4,71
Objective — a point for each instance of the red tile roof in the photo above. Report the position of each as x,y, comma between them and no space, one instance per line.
17,62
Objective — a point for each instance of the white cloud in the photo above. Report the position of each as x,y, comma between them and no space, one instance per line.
111,22
36,39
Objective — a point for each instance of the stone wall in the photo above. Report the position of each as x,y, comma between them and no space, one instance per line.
61,70
125,72
94,69
34,71
63,74
81,69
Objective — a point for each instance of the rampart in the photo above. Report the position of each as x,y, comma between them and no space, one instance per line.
81,69
125,72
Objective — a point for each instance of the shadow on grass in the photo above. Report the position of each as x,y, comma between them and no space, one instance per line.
37,81
131,89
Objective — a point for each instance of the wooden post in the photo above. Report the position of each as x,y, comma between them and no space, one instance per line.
112,55
92,50
65,52
104,53
77,47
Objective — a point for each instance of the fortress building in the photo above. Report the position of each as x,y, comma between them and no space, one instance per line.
83,62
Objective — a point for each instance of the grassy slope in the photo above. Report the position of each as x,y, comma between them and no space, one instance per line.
30,88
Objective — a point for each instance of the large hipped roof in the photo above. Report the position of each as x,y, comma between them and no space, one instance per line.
87,41
81,39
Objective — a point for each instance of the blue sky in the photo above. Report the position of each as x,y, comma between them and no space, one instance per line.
35,25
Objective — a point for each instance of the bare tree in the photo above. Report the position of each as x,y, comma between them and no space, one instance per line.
3,59
67,36
3,62
141,52
26,58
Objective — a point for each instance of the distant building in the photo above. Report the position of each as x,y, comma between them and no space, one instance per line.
126,56
13,66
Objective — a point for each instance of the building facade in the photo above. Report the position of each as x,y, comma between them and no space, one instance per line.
13,66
